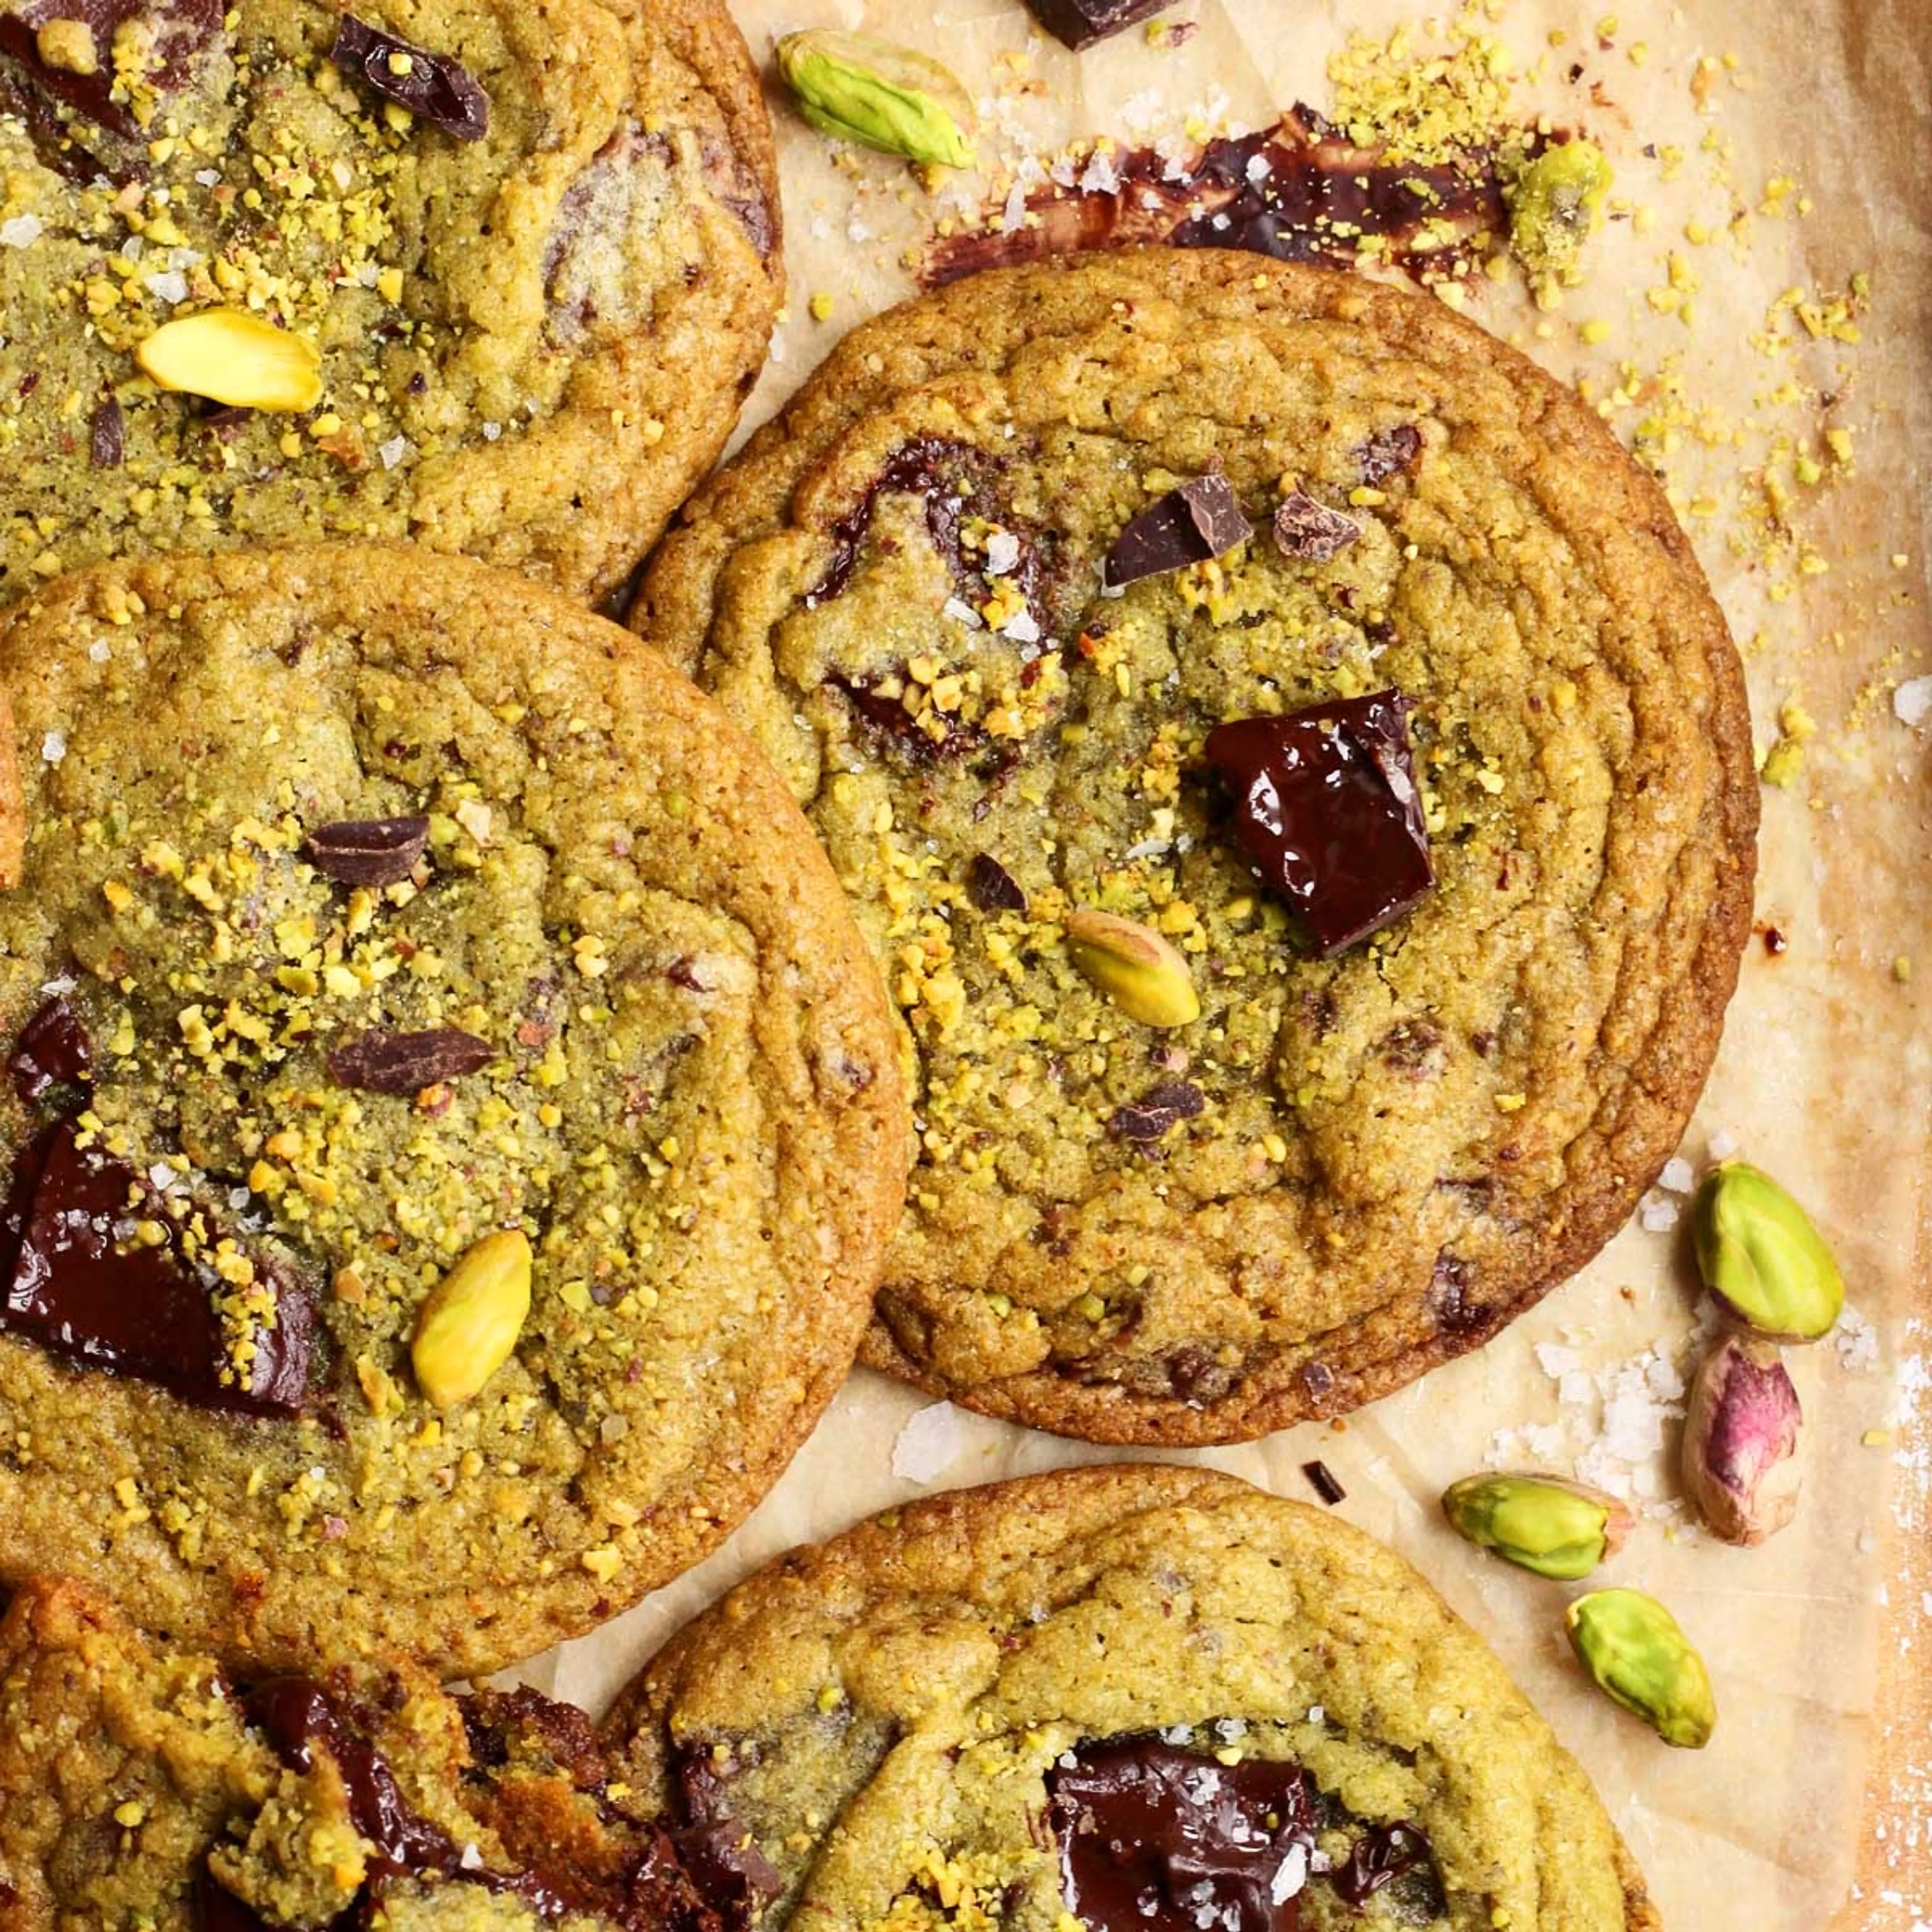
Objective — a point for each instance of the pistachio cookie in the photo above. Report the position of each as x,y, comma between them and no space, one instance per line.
454,1123
1287,761
492,275
143,1788
1147,1697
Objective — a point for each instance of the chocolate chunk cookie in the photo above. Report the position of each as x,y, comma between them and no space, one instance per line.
453,1123
139,1787
1144,1696
1286,759
491,275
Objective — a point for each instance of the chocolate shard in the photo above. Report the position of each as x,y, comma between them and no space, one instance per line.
1079,23
385,1061
53,1051
1326,806
81,79
368,851
84,1284
1190,525
1389,451
1309,532
1322,1481
440,89
108,445
1152,1835
991,887
1148,1119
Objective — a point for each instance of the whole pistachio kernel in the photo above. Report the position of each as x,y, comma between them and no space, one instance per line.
1761,1258
1546,1524
1135,967
470,1322
234,357
1638,1654
861,89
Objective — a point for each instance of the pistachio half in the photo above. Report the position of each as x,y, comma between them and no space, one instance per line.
1547,1524
1135,967
234,356
1761,1257
882,95
1639,1655
470,1322
1741,1431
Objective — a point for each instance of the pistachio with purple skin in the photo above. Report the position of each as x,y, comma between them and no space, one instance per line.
1741,1433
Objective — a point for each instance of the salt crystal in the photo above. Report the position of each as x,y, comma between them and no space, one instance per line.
185,258
1677,1176
131,249
1022,628
491,431
473,815
1259,168
208,177
1856,1341
961,612
99,651
1147,848
22,231
1911,702
1002,553
53,747
1316,1715
1101,177
1657,1214
393,451
1013,215
1291,1875
928,1444
170,286
1722,1143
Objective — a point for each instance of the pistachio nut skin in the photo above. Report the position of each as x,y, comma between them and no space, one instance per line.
1761,1258
1548,1524
1638,1656
861,89
1742,1429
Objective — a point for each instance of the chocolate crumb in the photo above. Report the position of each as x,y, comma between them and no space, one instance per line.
1321,1480
109,447
1388,452
1309,532
1148,1119
384,1061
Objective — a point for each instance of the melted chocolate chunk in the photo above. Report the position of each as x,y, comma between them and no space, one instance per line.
82,1285
724,1860
1390,452
216,1909
1158,1109
1378,1856
1326,805
434,85
107,445
1154,1839
991,887
368,851
384,1061
1079,23
1309,532
180,29
891,720
1190,525
1195,1377
53,1051
944,473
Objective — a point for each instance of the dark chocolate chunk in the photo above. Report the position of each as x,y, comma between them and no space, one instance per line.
216,1909
108,445
1157,1110
991,887
1309,532
1200,520
368,851
724,1860
1195,1377
53,1051
1321,1480
894,722
180,29
1079,23
1380,1854
382,1061
1456,1311
1388,451
84,1286
1152,1837
434,85
1326,805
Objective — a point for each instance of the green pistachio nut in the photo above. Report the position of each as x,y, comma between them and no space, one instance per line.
1554,203
1547,1524
1639,1656
1761,1257
867,90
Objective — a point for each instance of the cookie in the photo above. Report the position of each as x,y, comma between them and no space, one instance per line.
488,275
453,1122
142,1787
1141,1696
1285,756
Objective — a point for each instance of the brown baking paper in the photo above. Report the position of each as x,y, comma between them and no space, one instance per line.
1823,1078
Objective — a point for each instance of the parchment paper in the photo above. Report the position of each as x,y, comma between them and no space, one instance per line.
1824,1076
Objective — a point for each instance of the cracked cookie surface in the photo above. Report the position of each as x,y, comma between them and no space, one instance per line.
915,1722
1245,1183
534,303
393,940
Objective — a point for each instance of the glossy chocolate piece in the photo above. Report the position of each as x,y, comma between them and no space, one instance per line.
723,1860
1079,23
1156,1839
1326,806
1309,532
1199,520
53,1051
81,1285
1148,1119
1382,1855
440,89
991,887
383,1060
368,851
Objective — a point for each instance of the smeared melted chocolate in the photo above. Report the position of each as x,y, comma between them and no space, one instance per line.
1378,1857
1313,197
1326,805
724,1860
944,473
435,87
